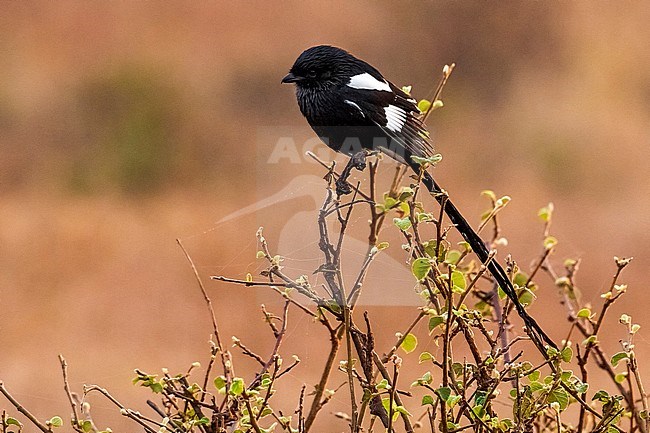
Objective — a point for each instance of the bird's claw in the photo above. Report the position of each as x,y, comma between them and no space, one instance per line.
358,160
343,187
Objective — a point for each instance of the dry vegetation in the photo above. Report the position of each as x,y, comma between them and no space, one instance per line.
554,96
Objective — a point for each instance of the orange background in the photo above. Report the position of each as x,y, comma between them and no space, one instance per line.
126,125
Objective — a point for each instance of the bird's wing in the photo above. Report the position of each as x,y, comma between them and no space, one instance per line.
398,116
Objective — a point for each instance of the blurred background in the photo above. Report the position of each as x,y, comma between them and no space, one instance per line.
127,125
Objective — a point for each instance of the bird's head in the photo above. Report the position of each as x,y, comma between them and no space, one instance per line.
320,67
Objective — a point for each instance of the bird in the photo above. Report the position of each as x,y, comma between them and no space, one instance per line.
355,110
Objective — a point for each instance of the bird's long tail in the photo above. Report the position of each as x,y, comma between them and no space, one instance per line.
478,246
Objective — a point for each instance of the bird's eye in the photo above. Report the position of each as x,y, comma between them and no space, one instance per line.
311,73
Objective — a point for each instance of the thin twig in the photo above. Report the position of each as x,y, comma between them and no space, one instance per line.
20,408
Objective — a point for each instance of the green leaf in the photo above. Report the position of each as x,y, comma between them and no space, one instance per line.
426,379
620,377
421,268
584,313
550,242
427,399
560,396
402,410
489,194
424,105
480,398
566,354
618,357
382,245
592,339
434,322
534,376
402,223
520,279
383,384
12,421
237,386
453,256
55,421
444,392
86,425
220,382
526,297
453,400
602,396
425,356
546,213
409,343
458,282
431,160
260,255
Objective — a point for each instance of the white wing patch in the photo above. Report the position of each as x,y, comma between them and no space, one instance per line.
395,118
366,81
355,106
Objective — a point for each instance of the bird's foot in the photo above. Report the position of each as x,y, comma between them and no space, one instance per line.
342,187
358,162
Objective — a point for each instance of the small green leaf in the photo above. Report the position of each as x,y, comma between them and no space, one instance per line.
444,392
220,382
427,399
431,160
592,339
620,377
425,356
382,245
520,279
204,421
489,194
546,213
618,357
421,268
409,343
383,384
566,354
12,421
534,376
550,242
560,396
237,386
55,421
526,297
453,256
584,313
434,322
402,223
424,105
458,282
602,396
260,255
402,410
86,425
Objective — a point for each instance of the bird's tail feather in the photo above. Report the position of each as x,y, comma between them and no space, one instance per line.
478,246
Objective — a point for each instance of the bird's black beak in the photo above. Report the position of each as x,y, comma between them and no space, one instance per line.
290,78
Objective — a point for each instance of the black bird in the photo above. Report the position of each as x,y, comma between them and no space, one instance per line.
353,108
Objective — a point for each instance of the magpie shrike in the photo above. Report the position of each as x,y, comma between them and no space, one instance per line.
352,108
